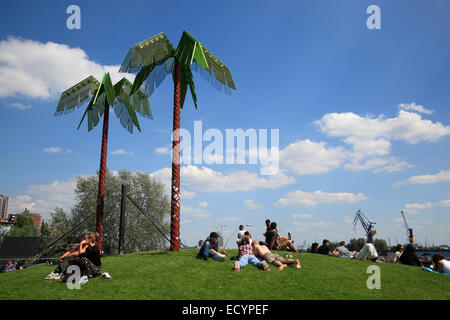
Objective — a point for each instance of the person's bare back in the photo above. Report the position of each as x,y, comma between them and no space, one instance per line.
259,250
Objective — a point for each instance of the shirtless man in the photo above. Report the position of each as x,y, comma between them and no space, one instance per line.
272,258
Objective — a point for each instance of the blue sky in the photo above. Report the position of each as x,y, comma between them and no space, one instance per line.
363,114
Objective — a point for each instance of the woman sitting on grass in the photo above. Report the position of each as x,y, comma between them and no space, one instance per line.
246,256
90,263
277,242
409,257
70,257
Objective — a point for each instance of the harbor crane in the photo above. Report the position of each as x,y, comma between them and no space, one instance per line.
366,224
409,231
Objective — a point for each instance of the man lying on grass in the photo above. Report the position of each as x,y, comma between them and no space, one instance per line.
210,248
272,258
246,256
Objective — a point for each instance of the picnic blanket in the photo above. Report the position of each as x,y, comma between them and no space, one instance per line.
434,271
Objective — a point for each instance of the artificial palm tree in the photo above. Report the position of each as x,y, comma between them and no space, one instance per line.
102,95
155,58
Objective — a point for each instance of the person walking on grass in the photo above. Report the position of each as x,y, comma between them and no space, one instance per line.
246,256
210,249
272,258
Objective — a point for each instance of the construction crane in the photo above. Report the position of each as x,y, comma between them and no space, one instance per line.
409,231
366,224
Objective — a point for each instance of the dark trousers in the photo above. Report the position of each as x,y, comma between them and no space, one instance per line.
62,266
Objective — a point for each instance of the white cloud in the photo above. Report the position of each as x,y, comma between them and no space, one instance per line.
252,205
414,208
195,212
207,180
371,137
188,194
204,179
319,224
34,69
122,152
57,150
229,219
162,150
302,216
309,199
407,126
441,176
308,157
20,106
203,204
44,198
414,107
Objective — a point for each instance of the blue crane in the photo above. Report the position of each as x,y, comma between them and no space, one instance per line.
366,224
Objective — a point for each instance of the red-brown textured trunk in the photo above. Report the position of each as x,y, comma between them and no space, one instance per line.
101,179
175,191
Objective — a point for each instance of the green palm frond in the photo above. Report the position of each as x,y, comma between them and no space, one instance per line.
151,51
221,71
77,95
126,106
190,49
138,100
105,93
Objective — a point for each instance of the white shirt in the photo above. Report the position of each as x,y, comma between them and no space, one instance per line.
446,267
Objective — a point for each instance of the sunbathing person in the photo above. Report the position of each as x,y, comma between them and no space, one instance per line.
440,264
275,242
210,248
246,256
368,252
272,258
343,252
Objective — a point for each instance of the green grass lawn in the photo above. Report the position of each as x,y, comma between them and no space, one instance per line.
171,275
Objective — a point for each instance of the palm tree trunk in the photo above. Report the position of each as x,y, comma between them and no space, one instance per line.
101,178
175,191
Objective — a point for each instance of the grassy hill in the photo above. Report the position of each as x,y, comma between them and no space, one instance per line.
170,275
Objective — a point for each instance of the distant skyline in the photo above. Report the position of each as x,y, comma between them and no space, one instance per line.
363,115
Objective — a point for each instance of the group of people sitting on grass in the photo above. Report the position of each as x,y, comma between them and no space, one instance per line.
86,255
251,251
408,256
402,255
10,266
368,252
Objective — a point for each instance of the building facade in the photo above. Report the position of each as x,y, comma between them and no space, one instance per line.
3,207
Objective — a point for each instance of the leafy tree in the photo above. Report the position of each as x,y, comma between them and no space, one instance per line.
381,245
356,244
23,227
140,233
334,245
